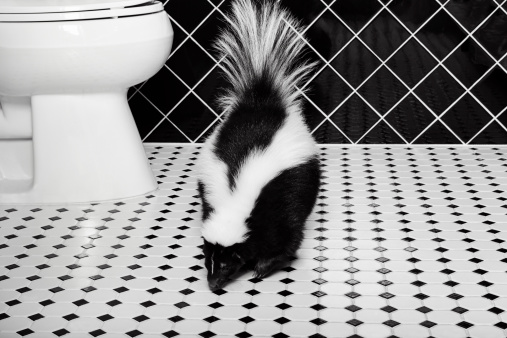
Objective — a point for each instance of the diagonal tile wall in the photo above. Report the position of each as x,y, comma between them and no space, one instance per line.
391,71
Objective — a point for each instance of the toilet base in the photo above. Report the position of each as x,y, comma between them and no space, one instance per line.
86,148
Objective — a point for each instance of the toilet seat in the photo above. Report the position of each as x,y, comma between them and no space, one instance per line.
71,10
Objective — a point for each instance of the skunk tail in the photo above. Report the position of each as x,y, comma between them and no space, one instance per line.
262,43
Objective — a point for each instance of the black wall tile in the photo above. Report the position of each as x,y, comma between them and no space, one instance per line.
438,68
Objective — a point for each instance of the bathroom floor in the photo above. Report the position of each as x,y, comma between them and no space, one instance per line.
405,242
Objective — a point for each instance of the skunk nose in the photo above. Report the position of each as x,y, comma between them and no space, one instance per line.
215,284
213,287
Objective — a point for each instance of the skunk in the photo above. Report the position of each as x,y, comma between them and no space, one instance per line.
258,172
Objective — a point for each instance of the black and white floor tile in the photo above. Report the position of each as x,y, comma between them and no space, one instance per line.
405,242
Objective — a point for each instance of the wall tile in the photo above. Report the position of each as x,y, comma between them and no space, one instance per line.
426,71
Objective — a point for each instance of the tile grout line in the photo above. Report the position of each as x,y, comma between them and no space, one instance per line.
40,267
418,283
441,250
69,271
386,295
352,295
394,182
321,239
112,255
460,310
486,284
384,9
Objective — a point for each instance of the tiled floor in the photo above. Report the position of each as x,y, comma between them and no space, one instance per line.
404,242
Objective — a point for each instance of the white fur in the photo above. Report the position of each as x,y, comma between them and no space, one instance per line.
257,41
292,145
270,40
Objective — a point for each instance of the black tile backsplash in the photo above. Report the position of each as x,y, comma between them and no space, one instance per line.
390,71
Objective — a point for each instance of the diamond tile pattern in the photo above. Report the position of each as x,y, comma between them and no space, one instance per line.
404,242
391,72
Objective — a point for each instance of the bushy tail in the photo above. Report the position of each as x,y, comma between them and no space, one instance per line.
262,42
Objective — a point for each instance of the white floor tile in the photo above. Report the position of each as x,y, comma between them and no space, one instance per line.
414,247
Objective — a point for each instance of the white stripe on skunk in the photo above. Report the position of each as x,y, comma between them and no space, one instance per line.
291,146
262,41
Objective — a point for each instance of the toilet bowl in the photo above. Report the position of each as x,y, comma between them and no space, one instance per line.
66,131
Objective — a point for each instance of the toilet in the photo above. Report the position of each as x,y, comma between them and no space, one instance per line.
67,134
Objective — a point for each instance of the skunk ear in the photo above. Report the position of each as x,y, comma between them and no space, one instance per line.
265,267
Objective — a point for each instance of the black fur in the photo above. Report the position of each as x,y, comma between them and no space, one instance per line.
257,112
277,221
276,226
206,207
251,125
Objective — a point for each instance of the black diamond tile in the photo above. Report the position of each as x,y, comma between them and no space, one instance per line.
355,17
24,332
192,116
436,134
170,334
80,302
352,71
468,70
461,12
424,309
179,10
157,86
496,310
49,302
391,323
243,334
141,318
384,44
325,45
280,335
318,307
427,323
501,325
207,334
113,302
249,305
490,296
60,332
465,113
354,118
282,320
190,55
283,306
354,322
318,321
97,333
313,117
35,317
328,100
176,319
215,305
105,317
383,90
465,325
402,63
13,302
353,308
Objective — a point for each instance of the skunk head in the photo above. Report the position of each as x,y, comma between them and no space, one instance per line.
222,263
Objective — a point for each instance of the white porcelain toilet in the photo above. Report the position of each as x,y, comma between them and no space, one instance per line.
66,131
